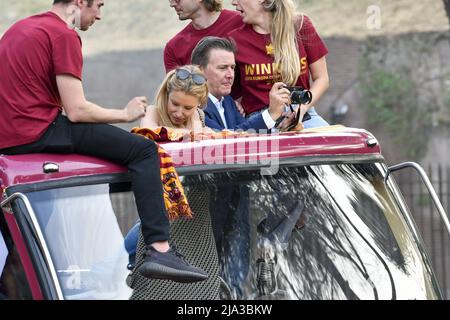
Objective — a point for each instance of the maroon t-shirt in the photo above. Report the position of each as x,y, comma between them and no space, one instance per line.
179,49
32,52
255,63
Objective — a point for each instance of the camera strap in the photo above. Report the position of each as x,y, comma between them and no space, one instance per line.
306,117
279,120
297,118
294,123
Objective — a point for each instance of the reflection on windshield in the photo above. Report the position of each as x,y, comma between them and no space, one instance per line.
310,232
85,241
3,253
319,232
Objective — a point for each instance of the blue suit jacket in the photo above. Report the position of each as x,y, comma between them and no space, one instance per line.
235,120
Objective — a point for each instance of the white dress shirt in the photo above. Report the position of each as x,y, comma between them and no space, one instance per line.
219,107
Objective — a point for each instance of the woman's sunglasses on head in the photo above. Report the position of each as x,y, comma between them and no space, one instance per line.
197,78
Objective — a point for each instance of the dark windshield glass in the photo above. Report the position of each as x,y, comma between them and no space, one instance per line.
307,232
318,232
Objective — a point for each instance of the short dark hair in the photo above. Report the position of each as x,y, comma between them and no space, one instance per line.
90,2
200,54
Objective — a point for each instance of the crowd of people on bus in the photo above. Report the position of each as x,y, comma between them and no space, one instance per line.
226,70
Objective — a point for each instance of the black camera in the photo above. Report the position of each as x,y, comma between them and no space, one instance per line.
300,95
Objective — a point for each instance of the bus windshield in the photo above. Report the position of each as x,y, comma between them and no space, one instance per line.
308,232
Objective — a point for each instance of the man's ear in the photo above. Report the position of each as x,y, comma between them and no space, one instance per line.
79,3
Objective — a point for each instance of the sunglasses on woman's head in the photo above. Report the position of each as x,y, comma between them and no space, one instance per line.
197,78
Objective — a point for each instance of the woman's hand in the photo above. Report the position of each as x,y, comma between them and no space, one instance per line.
303,109
204,133
279,96
184,133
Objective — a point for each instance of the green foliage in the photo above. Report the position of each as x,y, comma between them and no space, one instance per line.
391,102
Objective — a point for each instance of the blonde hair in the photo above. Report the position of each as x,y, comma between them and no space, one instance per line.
283,32
172,83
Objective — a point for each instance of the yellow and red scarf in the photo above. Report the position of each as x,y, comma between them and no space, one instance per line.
174,197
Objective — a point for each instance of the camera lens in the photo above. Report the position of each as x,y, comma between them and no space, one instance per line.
301,97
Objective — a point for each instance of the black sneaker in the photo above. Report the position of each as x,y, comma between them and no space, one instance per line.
169,265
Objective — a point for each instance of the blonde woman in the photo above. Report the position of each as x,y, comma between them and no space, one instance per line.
276,44
178,101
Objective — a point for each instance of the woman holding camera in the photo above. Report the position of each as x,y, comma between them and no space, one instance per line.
276,44
178,102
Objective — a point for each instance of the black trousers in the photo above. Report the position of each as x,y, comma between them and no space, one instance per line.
105,141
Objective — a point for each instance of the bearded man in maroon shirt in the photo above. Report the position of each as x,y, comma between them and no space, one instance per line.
40,77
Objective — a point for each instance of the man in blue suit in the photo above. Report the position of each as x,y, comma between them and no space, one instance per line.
215,56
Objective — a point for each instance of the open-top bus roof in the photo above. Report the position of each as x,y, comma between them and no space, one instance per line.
327,142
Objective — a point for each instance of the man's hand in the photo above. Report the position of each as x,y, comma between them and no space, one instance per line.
279,96
78,109
239,107
287,121
298,127
136,108
291,117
